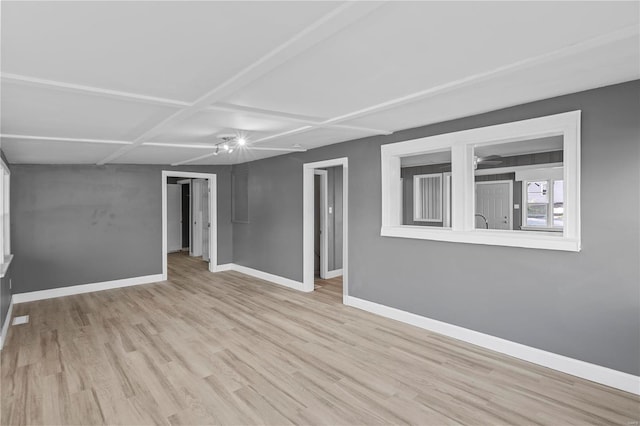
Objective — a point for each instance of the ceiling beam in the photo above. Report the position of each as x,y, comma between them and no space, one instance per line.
595,42
98,91
214,146
59,139
329,24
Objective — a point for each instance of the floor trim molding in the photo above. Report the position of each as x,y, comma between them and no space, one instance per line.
595,373
334,273
276,279
84,288
7,323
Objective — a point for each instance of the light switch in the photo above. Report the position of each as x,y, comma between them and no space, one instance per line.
516,206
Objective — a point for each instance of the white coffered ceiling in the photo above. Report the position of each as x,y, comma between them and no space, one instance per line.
157,82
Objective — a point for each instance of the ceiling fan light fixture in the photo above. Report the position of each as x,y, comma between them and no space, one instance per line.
229,143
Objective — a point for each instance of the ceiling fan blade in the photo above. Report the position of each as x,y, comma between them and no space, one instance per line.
491,162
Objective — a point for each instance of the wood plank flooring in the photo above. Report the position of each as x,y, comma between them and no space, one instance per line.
226,348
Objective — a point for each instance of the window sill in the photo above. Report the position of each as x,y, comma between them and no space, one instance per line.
544,240
4,266
540,229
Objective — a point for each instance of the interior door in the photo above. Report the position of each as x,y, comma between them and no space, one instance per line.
174,216
197,187
493,201
205,220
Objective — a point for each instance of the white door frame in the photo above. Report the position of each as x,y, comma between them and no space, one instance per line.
510,182
324,235
213,216
308,170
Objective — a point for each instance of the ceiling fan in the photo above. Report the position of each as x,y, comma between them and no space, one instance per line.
229,143
490,160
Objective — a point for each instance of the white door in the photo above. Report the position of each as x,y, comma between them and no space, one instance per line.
196,216
493,201
205,221
174,217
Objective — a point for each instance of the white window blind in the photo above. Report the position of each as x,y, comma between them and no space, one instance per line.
427,197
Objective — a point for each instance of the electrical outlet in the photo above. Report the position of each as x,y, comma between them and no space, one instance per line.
330,210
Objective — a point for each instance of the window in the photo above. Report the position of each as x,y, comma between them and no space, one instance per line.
426,189
544,205
5,238
427,196
514,184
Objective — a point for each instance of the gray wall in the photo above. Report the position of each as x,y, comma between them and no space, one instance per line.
5,291
240,194
583,305
84,224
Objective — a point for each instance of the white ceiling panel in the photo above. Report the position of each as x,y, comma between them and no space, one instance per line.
170,49
39,111
612,63
205,125
236,157
20,151
158,155
132,70
404,47
315,138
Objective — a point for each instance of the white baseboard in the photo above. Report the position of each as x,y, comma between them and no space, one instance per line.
595,373
276,279
225,267
84,288
333,274
7,322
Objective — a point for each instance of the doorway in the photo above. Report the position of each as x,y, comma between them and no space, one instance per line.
328,222
325,223
202,216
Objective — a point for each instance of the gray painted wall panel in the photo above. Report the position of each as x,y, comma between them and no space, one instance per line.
83,224
583,305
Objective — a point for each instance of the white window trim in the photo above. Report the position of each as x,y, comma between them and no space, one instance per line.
462,146
416,195
446,201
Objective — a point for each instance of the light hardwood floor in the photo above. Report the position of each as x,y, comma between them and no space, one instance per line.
225,348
